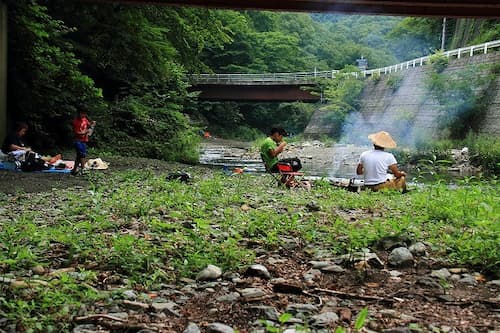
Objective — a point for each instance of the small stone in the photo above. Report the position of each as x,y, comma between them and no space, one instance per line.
457,270
297,308
394,273
61,271
87,328
187,280
406,317
245,207
250,293
231,297
258,270
219,328
136,305
428,282
324,319
320,264
212,272
192,328
278,280
401,257
390,313
129,294
446,298
333,269
311,275
442,273
38,269
418,249
345,315
164,306
468,279
494,282
397,330
270,312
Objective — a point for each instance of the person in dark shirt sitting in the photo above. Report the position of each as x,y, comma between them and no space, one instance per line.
13,144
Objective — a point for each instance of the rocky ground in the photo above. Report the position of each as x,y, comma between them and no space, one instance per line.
405,289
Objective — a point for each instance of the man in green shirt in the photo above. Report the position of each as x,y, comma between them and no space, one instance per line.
272,146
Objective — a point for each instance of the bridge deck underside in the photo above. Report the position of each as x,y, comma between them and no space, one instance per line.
274,93
439,8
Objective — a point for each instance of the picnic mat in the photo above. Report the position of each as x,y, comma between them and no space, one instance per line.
13,167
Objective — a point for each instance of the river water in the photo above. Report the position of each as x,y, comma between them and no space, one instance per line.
337,163
317,160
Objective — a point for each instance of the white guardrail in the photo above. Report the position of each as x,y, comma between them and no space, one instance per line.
310,77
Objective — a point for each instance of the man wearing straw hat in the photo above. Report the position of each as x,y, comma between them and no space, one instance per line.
373,165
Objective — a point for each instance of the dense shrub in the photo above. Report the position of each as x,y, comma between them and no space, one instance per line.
484,151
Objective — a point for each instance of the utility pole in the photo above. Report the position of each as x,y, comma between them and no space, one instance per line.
443,34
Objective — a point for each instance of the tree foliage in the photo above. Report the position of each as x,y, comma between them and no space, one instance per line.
126,64
45,82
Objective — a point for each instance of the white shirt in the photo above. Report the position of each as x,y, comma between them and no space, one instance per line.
375,165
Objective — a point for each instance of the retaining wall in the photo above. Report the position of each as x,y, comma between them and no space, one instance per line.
406,109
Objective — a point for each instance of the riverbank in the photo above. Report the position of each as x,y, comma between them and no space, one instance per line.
317,158
338,160
125,249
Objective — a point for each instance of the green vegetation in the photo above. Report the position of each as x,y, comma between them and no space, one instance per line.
439,61
462,96
342,98
126,64
395,80
472,31
149,231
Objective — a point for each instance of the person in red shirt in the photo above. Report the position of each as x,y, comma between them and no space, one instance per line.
82,129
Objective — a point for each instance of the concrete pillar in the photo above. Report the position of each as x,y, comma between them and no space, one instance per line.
3,69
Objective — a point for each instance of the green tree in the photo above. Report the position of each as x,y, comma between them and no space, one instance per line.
415,37
342,98
45,82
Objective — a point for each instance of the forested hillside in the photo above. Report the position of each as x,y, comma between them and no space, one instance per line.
126,64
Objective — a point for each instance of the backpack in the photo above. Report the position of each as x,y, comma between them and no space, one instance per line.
33,163
293,162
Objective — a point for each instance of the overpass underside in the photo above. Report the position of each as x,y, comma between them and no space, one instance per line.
436,8
255,93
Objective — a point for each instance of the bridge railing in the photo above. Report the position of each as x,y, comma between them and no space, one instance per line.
269,78
311,77
458,53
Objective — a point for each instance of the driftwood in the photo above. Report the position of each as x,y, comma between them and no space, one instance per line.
356,296
112,322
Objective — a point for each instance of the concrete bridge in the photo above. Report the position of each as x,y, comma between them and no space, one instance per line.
272,87
298,86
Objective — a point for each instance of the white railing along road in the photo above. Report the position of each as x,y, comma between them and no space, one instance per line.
311,77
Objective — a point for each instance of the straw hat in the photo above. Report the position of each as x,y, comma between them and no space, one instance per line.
382,139
96,164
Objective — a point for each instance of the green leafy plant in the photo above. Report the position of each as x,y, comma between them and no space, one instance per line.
395,81
361,319
439,61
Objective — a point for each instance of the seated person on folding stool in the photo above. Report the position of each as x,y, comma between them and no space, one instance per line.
374,164
272,146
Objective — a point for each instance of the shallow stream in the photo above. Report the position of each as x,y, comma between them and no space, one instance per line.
317,160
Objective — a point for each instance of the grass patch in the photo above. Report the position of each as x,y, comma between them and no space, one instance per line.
147,231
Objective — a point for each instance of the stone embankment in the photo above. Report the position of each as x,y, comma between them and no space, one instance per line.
401,103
